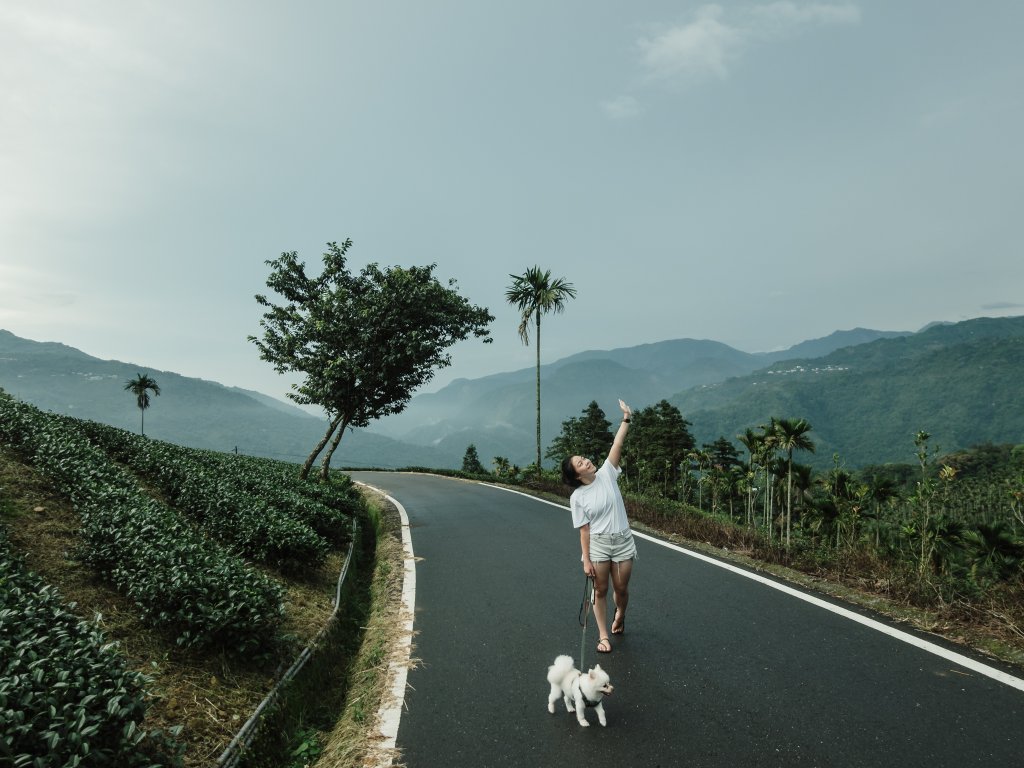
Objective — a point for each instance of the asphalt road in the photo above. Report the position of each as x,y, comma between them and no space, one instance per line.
715,669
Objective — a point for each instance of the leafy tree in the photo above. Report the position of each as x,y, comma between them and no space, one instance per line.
589,435
471,461
141,386
658,445
535,293
722,460
754,443
840,490
791,435
995,551
699,459
723,453
766,444
364,342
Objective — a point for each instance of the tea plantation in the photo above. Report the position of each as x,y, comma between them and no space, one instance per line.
202,547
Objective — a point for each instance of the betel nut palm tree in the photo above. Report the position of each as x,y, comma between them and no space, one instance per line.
141,386
535,293
791,435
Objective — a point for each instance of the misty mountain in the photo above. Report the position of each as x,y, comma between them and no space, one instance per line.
189,411
497,413
959,382
865,392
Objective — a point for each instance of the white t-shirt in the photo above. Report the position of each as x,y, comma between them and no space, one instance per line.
600,503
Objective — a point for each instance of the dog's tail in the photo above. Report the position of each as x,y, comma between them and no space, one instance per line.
558,670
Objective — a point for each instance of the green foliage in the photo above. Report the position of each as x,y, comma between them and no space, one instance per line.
308,749
867,401
180,580
506,470
589,435
364,342
655,455
253,517
471,462
66,698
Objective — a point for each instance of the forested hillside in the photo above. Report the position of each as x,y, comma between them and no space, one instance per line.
960,383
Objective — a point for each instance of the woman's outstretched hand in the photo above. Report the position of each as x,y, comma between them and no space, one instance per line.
626,410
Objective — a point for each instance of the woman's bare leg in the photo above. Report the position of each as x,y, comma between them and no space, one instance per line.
601,572
620,573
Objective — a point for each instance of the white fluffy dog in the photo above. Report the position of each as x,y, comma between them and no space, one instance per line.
578,690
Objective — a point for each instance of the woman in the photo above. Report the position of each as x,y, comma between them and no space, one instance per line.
607,543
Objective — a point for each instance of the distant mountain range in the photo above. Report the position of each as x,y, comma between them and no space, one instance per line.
189,411
962,383
865,392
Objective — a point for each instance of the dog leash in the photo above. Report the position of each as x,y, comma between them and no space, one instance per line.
585,606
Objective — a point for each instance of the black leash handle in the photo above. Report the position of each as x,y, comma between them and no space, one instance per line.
588,600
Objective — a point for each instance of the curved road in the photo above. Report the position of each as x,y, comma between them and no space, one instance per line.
715,668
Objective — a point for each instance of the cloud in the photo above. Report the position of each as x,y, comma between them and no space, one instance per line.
716,38
704,46
1002,305
786,16
621,108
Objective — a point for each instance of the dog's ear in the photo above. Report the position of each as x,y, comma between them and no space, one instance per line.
597,668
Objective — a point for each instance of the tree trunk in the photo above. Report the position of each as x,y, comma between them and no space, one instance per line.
325,466
304,472
789,498
538,392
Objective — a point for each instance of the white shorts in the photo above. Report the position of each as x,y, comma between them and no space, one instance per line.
616,547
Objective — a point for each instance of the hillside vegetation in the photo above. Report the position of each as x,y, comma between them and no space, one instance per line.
960,383
152,594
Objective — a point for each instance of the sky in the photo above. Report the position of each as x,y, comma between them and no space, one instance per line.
756,173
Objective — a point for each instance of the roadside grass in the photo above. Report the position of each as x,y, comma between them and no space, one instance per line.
355,740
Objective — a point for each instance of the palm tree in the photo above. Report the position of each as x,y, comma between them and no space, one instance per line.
791,435
141,386
752,442
766,442
535,293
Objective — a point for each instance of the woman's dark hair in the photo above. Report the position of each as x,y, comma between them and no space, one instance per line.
569,476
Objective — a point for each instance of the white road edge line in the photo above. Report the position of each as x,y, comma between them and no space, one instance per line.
906,637
390,713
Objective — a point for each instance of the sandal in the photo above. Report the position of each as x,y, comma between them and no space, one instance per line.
621,623
604,645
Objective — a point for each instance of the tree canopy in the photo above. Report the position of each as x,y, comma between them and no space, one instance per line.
589,435
364,342
657,449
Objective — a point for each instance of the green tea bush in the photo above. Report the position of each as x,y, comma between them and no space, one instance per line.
66,698
328,508
180,580
195,482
